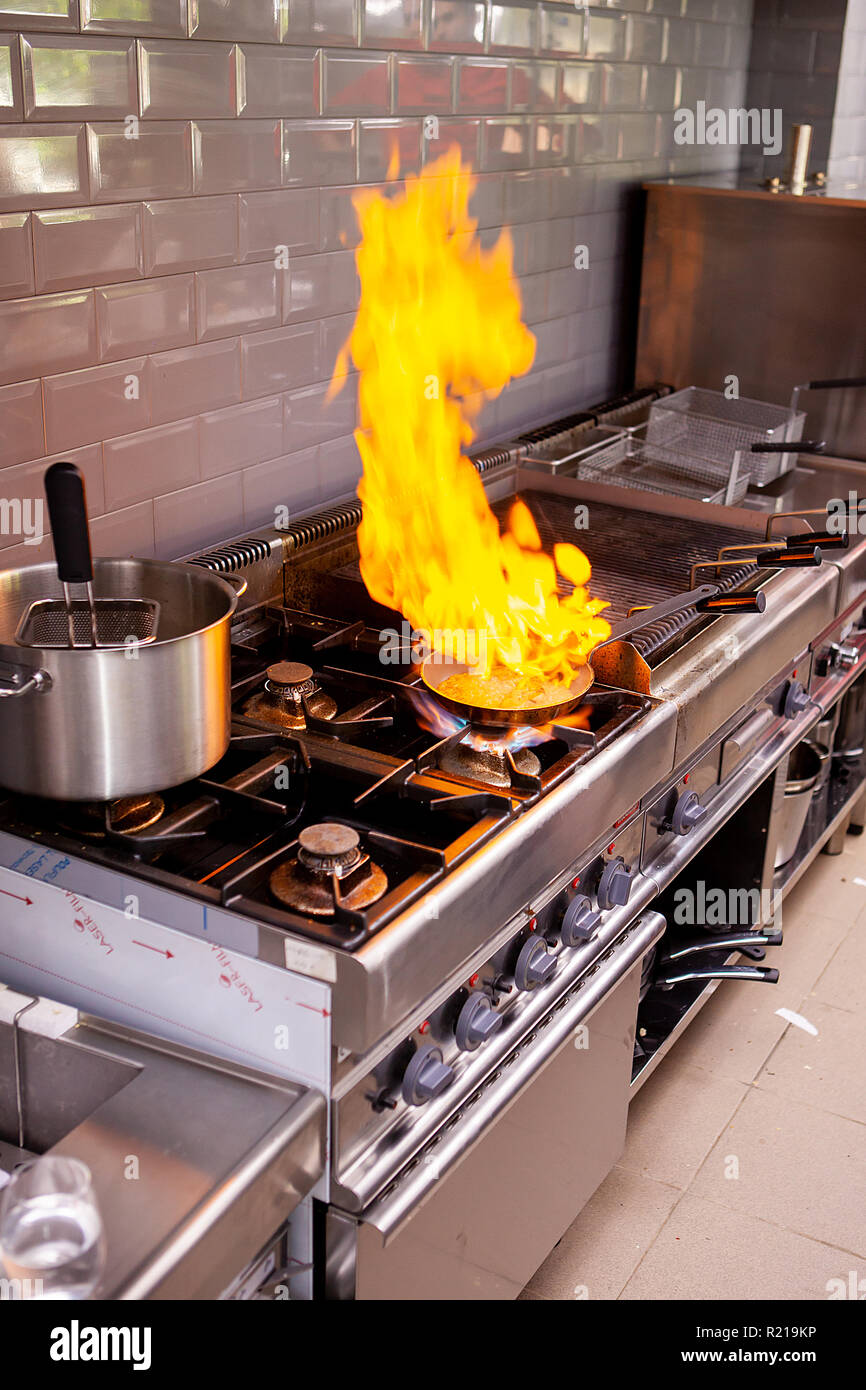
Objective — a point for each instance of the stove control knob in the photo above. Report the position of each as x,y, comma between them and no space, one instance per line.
535,965
688,813
614,885
579,922
796,700
476,1022
426,1076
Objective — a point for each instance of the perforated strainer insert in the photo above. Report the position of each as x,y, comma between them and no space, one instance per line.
47,623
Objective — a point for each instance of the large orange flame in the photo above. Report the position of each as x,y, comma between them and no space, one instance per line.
438,330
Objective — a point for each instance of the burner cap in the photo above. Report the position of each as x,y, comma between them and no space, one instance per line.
329,847
290,694
286,675
331,868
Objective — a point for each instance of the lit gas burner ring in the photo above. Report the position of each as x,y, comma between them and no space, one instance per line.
290,690
126,816
484,760
480,755
331,869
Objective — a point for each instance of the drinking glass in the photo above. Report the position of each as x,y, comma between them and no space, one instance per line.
51,1237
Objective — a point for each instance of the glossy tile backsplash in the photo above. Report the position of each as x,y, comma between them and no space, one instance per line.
176,224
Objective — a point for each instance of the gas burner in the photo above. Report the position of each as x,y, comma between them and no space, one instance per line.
126,816
290,692
331,870
491,761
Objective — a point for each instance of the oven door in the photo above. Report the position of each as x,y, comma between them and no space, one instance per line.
476,1212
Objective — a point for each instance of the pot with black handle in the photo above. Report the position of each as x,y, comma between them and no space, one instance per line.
92,723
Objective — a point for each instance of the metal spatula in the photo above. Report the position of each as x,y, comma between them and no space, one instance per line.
91,622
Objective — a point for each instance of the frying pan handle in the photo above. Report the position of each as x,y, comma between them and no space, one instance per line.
639,618
827,540
67,508
807,558
733,603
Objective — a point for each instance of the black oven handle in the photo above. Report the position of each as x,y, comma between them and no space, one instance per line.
724,941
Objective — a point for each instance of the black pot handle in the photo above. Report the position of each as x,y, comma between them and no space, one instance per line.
791,446
67,508
834,384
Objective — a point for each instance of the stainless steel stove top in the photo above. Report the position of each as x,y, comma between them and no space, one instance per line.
433,915
451,839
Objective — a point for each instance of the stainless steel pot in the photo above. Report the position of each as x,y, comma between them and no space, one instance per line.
807,762
92,724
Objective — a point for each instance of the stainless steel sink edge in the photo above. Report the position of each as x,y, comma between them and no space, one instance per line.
186,1203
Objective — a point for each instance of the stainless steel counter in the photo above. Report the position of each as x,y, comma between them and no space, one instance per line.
196,1163
811,484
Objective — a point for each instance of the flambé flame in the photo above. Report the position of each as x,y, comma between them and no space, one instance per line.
439,329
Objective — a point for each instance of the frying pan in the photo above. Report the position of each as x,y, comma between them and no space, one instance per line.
435,669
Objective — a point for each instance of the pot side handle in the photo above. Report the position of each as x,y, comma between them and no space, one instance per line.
38,681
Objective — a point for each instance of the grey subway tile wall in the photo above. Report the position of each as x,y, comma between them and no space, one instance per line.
794,66
242,434
11,101
21,433
16,255
74,247
189,234
847,158
177,228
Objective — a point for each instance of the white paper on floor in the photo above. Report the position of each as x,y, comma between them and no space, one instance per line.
798,1021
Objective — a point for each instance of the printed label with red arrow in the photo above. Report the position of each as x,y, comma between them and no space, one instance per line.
159,950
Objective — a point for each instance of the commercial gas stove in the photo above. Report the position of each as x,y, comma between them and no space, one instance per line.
451,936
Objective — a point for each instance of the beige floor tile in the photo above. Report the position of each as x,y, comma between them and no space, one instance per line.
828,887
607,1241
675,1119
736,1030
738,1027
841,982
826,1071
800,1168
707,1251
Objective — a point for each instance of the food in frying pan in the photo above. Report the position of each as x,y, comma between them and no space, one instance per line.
503,689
